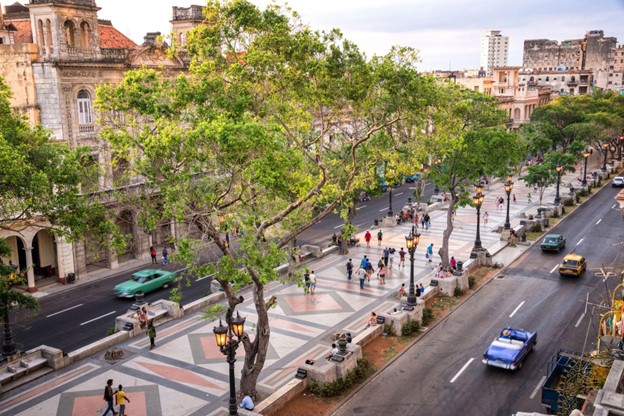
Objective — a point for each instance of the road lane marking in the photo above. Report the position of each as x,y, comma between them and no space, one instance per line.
400,193
385,209
338,226
599,221
99,317
580,241
362,207
64,310
579,320
614,205
516,310
205,277
554,268
537,388
462,370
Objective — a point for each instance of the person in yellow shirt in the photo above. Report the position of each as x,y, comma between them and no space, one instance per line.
120,399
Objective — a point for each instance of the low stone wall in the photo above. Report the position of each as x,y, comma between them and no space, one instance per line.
279,399
97,346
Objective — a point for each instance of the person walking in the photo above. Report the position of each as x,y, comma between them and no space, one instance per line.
381,273
361,274
349,269
427,221
401,257
422,221
306,282
386,256
153,255
108,397
367,238
485,217
312,282
390,260
529,198
165,254
151,333
379,237
120,400
514,198
369,269
430,252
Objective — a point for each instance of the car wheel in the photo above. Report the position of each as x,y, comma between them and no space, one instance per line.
519,366
166,285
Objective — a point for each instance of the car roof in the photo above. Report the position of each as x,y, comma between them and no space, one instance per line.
573,256
552,236
146,272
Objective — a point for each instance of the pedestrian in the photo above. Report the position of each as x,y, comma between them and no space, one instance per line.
422,289
306,282
153,255
349,269
108,397
512,239
247,403
402,291
312,282
367,238
416,220
485,217
514,198
381,274
120,400
401,257
151,333
453,263
172,247
529,197
501,202
379,237
363,262
390,260
386,255
422,221
141,316
165,254
430,252
361,274
369,269
427,221
417,290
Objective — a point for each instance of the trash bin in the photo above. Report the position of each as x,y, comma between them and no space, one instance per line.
376,222
71,278
546,222
460,266
523,237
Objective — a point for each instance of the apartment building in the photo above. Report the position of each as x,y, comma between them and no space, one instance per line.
494,50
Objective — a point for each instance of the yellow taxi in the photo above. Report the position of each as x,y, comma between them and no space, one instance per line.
573,265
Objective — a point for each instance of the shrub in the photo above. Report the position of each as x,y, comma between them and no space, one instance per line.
568,202
536,228
410,328
361,372
111,331
389,330
555,214
458,292
427,316
471,281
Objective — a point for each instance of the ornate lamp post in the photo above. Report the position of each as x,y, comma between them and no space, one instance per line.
411,241
508,187
390,213
585,156
477,199
620,146
557,198
605,147
228,345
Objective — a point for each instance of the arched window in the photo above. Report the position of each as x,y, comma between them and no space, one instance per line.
183,39
562,78
547,79
70,28
48,34
84,108
85,35
42,40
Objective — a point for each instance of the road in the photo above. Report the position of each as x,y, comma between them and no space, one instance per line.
83,314
442,373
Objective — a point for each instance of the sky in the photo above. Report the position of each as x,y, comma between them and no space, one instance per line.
447,33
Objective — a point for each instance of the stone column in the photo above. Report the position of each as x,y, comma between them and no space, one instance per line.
64,257
30,271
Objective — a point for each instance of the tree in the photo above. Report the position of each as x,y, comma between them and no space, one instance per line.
468,140
543,175
39,185
273,128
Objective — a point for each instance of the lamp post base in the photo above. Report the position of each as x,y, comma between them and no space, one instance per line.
557,201
476,251
411,300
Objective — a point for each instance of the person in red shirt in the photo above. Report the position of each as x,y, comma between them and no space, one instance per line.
367,237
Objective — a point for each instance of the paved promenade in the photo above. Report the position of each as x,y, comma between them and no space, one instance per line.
187,375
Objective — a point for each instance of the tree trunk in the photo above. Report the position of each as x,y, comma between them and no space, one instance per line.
8,345
444,250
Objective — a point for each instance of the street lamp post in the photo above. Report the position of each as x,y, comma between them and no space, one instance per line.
605,147
508,187
557,198
585,156
390,213
411,241
620,146
477,199
228,345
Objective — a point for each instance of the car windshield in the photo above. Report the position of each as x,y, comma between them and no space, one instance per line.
550,240
140,279
571,263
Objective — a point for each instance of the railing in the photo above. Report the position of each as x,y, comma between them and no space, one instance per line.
86,128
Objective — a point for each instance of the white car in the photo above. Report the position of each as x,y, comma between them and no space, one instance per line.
618,182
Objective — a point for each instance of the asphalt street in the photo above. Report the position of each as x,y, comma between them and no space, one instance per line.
442,373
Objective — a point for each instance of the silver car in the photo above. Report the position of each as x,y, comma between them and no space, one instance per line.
618,182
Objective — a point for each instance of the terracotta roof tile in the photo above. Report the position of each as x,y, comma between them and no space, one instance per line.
112,38
23,34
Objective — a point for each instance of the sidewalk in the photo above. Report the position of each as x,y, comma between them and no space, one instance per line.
186,374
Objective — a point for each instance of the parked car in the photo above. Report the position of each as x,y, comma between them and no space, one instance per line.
553,242
510,348
573,265
618,182
413,178
144,281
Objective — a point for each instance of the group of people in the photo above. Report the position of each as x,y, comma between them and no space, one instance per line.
113,399
443,272
368,237
165,253
309,281
144,321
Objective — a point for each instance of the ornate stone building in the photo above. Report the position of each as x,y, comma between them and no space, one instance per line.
592,53
54,54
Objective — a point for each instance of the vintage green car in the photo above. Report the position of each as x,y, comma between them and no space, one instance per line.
144,281
553,242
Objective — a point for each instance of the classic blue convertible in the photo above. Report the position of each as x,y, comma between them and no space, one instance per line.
510,348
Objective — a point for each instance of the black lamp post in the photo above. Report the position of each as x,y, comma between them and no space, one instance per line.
557,198
605,147
477,199
585,156
228,345
508,187
390,213
411,241
620,146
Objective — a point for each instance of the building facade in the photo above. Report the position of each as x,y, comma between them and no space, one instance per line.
494,50
55,53
593,53
570,82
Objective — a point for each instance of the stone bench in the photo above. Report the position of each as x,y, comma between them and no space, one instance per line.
24,366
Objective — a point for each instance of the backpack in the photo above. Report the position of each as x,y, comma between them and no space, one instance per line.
349,265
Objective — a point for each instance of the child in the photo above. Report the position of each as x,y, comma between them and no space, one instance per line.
120,399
